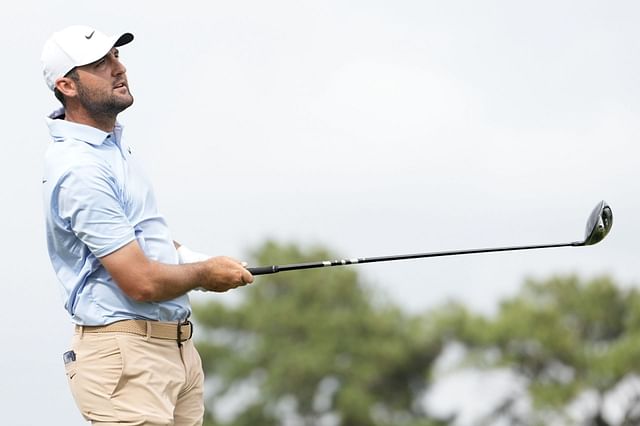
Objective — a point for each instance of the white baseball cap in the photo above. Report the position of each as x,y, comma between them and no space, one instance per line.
76,46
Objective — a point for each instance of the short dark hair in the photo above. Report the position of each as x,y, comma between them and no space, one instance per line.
73,75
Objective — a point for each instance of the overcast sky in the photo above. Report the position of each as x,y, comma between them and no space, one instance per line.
371,127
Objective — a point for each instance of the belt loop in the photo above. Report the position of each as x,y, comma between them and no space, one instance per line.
81,331
147,325
179,334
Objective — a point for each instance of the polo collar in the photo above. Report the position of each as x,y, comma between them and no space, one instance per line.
61,129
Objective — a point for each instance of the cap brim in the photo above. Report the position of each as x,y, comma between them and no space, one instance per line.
125,38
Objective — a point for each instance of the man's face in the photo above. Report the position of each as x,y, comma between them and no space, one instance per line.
102,86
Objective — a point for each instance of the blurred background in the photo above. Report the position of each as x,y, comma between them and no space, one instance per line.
284,130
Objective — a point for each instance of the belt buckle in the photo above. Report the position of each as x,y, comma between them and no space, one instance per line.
179,332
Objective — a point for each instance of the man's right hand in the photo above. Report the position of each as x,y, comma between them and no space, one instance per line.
224,273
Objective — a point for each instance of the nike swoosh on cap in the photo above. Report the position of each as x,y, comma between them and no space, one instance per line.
88,37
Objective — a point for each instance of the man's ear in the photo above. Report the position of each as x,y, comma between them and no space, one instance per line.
67,87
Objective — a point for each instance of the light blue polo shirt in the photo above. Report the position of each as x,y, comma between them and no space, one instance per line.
97,200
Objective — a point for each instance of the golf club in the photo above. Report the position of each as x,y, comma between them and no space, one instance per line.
598,226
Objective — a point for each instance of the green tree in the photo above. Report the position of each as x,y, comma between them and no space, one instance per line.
316,344
566,336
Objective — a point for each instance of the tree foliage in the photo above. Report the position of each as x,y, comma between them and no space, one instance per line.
567,337
317,344
320,347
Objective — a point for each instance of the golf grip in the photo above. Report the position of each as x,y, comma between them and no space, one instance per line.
263,270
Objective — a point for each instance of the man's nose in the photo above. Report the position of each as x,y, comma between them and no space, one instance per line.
118,67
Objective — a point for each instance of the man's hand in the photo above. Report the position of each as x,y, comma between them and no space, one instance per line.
224,273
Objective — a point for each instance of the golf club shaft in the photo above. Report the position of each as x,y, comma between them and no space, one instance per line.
263,270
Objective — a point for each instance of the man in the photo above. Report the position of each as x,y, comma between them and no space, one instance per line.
124,283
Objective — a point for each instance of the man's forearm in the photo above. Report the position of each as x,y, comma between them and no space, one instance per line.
145,280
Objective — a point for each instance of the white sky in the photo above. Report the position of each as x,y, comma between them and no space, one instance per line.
372,127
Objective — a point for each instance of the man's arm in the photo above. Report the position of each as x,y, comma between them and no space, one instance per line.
145,280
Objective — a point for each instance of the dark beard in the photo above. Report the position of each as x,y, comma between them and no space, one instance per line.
99,105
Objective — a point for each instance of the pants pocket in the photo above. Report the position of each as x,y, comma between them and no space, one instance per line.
70,370
95,375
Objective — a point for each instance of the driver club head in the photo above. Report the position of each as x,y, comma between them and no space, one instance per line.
598,224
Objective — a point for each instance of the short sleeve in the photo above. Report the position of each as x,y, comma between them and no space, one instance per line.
90,202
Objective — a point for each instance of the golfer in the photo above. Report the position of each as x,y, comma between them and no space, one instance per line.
124,280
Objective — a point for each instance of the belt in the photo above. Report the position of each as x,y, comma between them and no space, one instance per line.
180,332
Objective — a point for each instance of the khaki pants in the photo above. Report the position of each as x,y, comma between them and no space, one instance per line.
126,379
